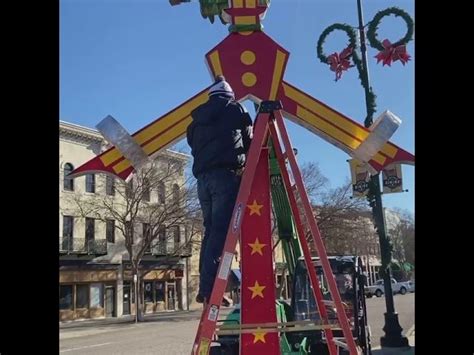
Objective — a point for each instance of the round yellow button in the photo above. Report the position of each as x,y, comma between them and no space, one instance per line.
249,79
247,57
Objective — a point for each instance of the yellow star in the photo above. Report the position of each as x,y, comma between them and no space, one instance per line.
257,290
256,247
259,336
255,208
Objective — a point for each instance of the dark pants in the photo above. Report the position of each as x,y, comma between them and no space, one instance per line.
217,192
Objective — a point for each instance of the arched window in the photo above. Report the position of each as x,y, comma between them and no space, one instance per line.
146,189
110,185
68,182
175,193
161,192
90,183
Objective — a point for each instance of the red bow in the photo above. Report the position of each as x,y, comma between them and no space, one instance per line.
338,62
392,54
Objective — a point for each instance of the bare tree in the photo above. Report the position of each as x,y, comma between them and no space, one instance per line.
314,180
344,222
402,237
161,219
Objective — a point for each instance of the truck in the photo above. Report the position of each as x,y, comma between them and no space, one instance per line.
378,290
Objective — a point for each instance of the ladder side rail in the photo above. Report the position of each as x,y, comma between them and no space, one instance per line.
317,294
343,320
207,324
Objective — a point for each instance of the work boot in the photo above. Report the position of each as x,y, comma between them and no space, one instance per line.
200,298
226,302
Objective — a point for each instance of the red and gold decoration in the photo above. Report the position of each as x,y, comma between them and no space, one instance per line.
254,65
258,284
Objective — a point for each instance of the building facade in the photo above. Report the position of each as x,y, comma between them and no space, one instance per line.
95,273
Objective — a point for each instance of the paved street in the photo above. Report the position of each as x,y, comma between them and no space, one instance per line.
404,306
170,334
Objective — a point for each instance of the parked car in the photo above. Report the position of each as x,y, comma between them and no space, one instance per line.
377,288
411,286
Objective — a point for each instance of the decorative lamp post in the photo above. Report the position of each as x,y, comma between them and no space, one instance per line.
340,62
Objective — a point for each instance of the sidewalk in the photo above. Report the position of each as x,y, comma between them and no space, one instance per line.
410,334
165,316
155,317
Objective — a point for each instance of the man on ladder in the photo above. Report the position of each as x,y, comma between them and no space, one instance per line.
219,137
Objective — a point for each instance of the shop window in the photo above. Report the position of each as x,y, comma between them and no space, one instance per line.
65,297
97,295
148,292
160,291
82,296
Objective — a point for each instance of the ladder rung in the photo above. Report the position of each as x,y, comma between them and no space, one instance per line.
274,329
340,342
272,324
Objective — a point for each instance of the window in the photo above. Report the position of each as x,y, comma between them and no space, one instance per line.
148,292
160,291
90,183
162,239
129,189
162,234
177,235
186,233
97,295
110,185
110,230
176,193
68,230
68,226
146,232
161,192
82,296
90,228
65,297
68,182
129,230
146,190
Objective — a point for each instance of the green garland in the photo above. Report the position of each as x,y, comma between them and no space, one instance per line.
337,26
212,8
373,27
351,33
245,28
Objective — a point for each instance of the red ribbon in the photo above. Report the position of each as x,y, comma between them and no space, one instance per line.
392,54
339,62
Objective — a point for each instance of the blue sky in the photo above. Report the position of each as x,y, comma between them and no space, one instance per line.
138,59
